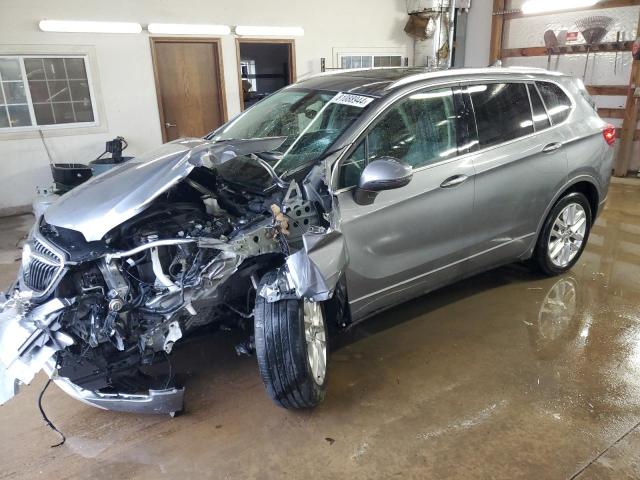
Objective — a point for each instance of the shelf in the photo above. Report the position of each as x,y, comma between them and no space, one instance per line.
510,15
581,48
611,112
619,90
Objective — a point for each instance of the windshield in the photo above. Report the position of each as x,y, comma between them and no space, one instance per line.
311,121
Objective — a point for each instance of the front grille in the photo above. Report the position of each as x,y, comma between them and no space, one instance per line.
41,267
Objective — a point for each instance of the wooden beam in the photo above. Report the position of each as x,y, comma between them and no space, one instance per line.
620,134
620,90
497,28
611,112
630,121
598,6
579,48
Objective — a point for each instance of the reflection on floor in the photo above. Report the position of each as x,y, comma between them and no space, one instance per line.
506,375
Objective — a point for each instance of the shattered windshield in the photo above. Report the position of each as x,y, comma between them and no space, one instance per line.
311,120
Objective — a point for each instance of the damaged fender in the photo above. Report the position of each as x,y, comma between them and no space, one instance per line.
313,271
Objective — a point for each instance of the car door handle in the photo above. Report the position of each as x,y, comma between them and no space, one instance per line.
167,124
454,181
552,147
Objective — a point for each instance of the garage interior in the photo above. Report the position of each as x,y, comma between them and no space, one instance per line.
507,374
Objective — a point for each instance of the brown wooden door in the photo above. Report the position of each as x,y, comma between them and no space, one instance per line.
189,86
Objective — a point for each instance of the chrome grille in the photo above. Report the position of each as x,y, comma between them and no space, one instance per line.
41,266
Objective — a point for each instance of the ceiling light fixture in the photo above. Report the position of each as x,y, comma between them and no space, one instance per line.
245,30
81,26
541,6
188,29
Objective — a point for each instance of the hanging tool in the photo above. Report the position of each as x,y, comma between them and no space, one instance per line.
551,42
593,30
615,58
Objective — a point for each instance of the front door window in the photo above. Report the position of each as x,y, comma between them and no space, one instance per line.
418,130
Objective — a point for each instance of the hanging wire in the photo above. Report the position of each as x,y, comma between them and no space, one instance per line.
44,415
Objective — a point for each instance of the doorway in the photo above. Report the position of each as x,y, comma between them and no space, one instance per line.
264,66
189,86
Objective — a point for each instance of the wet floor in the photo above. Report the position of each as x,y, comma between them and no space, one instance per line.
506,375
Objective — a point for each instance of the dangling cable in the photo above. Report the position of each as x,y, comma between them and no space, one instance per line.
46,419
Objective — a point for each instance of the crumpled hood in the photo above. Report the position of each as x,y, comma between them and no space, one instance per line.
108,200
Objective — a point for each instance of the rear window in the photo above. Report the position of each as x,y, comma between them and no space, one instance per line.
557,103
502,112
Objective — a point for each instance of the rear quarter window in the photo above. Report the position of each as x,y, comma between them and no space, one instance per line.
557,102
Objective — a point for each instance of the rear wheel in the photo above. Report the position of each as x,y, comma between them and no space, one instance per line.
291,347
564,235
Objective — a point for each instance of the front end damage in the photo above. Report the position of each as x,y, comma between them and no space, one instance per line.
137,259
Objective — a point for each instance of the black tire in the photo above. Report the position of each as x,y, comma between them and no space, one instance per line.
281,350
541,259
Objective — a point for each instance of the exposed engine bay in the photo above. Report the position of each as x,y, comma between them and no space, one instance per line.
96,309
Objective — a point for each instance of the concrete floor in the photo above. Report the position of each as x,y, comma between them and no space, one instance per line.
506,375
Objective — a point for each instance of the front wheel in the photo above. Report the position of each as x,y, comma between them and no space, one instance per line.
564,235
291,347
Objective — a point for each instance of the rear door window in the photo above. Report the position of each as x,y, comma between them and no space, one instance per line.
540,117
502,112
557,103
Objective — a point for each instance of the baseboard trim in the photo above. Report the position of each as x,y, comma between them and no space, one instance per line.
13,211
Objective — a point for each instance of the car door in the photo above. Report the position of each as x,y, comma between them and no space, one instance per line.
519,166
413,239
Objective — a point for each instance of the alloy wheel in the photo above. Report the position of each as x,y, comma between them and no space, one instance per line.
567,235
315,336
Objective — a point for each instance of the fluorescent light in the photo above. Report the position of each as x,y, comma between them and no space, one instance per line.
188,29
540,6
75,26
270,31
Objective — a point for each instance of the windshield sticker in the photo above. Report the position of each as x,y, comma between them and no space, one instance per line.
353,100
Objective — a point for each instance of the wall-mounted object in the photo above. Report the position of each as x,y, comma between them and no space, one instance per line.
551,42
635,50
593,29
188,29
81,26
421,5
259,31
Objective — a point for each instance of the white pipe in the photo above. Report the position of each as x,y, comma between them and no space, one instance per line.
452,16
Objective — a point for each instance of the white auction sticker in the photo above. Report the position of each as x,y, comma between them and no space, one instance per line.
352,100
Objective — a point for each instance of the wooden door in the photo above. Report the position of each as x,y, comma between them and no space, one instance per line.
189,85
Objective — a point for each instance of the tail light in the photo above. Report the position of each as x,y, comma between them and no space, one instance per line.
609,134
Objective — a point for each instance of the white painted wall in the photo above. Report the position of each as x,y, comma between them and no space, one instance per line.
124,73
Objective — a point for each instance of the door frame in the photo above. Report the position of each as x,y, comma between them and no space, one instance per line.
216,41
292,59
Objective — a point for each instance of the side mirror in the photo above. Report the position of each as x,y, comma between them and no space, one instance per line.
384,173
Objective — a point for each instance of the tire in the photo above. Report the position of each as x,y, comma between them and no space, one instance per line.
282,350
557,250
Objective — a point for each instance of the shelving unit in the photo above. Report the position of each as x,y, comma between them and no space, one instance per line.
573,49
502,12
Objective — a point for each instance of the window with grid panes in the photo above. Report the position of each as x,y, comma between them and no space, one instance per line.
44,91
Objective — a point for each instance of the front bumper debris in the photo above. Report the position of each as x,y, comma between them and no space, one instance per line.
28,339
166,401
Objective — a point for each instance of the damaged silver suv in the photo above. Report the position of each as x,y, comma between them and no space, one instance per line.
325,203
